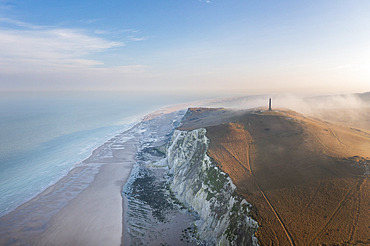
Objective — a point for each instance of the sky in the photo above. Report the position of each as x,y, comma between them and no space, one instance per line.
214,46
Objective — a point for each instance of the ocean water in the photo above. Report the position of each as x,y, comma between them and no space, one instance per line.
44,135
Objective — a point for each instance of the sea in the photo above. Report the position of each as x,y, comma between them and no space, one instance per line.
43,135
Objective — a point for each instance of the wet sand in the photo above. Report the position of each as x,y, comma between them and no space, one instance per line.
83,208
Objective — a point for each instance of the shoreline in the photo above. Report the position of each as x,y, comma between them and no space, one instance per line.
85,152
78,204
125,237
88,205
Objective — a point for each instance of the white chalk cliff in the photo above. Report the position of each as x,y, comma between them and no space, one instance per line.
200,184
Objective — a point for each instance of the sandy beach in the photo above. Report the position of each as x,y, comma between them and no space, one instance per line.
87,207
83,208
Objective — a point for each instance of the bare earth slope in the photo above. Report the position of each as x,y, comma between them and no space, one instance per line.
306,179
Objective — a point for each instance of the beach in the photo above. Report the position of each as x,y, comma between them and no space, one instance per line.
83,208
107,198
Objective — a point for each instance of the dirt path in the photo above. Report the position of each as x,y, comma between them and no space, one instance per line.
346,198
313,197
335,136
358,207
237,160
268,202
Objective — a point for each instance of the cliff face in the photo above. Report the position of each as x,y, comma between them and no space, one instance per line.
200,184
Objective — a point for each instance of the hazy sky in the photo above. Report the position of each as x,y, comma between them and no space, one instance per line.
243,46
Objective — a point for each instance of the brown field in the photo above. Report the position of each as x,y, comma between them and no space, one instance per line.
304,177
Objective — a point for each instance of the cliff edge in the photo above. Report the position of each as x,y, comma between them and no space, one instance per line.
306,179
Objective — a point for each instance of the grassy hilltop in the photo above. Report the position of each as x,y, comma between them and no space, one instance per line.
307,179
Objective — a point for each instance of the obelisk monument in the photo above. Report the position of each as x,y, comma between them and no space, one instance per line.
270,105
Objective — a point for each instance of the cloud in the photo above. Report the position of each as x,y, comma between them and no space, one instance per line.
18,23
133,38
133,35
47,58
30,47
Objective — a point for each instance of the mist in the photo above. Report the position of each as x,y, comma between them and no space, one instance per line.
351,110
